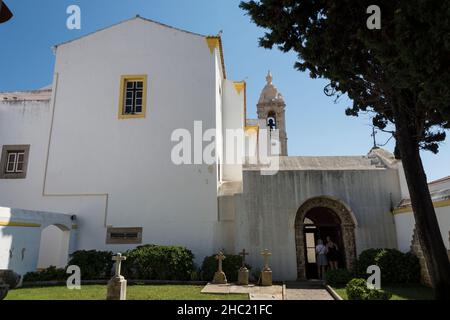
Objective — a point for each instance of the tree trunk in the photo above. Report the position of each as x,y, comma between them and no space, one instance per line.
427,225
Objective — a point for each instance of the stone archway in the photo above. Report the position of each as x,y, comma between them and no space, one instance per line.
348,225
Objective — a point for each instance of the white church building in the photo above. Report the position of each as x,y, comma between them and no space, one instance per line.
88,163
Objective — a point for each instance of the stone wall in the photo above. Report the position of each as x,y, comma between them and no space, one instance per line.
267,209
416,248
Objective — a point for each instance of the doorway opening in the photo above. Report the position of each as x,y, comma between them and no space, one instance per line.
319,218
321,223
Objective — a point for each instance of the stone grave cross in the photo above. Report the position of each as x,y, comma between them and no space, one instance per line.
219,276
220,257
266,254
117,286
118,259
243,253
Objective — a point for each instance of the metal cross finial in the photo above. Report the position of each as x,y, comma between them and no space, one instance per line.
118,259
243,253
266,254
374,136
220,257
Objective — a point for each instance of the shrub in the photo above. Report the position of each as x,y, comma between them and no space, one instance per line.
230,266
396,267
366,259
94,265
50,274
410,268
338,277
357,290
152,262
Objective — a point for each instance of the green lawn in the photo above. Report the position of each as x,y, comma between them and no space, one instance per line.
135,292
413,292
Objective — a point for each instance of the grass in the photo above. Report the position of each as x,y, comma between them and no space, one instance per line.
134,292
404,292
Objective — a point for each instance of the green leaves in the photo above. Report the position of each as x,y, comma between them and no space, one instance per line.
357,290
410,54
152,262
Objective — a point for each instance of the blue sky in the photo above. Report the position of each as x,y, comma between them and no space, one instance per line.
316,125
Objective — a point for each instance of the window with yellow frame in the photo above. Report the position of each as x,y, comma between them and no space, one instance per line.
133,96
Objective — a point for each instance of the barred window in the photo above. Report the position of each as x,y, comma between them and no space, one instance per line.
14,161
133,97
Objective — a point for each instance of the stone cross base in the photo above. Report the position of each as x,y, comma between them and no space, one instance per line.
243,277
219,278
117,289
266,278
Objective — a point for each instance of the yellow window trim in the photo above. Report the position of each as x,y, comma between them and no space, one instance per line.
123,80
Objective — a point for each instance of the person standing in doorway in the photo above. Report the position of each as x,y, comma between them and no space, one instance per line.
322,261
333,254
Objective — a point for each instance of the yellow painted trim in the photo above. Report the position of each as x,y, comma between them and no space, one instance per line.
242,86
19,224
123,80
252,128
239,86
408,209
213,43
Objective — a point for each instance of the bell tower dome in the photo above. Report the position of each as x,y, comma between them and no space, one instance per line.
271,109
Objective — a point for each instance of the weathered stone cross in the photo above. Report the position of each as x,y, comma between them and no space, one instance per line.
243,254
220,257
266,254
118,259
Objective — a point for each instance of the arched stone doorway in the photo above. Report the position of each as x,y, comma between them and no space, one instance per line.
325,212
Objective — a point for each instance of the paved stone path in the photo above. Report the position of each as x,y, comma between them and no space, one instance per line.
308,290
255,292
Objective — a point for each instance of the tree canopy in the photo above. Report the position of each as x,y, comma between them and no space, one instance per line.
407,59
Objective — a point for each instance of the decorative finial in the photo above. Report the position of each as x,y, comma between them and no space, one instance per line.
269,77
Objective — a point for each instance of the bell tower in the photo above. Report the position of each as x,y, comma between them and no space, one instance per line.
270,109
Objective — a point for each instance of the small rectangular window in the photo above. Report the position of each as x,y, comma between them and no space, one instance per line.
133,97
14,161
124,236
